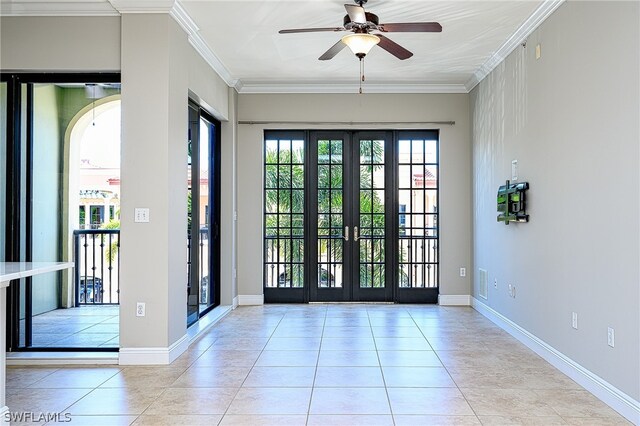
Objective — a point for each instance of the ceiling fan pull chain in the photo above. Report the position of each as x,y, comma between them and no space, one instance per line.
361,74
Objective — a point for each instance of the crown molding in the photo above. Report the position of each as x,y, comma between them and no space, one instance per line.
143,6
519,36
193,31
253,87
55,8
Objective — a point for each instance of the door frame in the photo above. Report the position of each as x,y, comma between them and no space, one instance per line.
18,226
393,293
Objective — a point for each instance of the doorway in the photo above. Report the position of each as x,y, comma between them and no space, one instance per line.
203,213
351,216
44,114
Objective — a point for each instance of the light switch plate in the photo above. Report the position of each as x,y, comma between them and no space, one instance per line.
514,170
141,215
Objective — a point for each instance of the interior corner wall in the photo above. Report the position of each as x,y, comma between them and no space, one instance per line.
455,166
228,197
212,93
571,119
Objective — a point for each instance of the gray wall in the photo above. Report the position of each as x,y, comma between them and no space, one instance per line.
455,167
154,164
60,43
571,119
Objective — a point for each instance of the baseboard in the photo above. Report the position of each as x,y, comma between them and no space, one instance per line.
607,393
5,416
206,322
250,299
153,356
235,302
454,300
62,358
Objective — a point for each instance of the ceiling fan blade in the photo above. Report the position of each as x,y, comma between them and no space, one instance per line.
310,30
356,13
394,48
333,51
411,27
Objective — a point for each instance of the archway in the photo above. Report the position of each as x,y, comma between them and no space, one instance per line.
91,174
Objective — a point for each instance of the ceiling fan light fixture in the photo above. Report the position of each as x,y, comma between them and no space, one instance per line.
360,43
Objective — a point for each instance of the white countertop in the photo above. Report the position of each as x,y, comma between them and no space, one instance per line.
15,270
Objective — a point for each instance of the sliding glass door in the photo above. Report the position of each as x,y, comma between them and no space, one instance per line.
203,209
336,216
44,151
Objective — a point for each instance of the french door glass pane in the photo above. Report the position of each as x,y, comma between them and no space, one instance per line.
372,217
284,199
330,214
418,213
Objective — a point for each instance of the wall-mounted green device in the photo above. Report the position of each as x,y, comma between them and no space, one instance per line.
512,202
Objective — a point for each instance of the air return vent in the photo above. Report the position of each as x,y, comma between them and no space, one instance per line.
484,279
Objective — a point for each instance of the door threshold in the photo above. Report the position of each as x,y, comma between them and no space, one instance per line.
62,358
352,303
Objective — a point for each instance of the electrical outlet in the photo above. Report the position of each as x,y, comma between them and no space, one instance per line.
495,283
538,51
611,337
140,309
141,215
463,272
513,292
574,320
510,290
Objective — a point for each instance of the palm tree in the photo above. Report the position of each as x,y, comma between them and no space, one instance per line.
289,199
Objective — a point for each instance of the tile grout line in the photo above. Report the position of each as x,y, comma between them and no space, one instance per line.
250,369
386,390
447,370
315,374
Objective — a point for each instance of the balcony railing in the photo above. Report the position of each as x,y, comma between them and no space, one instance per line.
203,263
97,266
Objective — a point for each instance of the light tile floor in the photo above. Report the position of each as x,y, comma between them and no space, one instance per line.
82,327
325,365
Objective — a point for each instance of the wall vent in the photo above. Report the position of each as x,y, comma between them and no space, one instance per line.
484,279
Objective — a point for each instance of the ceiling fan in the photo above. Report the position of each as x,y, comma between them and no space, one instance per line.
367,31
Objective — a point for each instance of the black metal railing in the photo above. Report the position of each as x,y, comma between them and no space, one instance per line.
97,266
203,261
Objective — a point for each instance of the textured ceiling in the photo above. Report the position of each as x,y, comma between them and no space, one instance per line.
248,51
244,36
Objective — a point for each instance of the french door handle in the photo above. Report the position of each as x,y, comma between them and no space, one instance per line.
346,233
356,235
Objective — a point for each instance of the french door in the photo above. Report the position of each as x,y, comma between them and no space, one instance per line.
351,216
350,193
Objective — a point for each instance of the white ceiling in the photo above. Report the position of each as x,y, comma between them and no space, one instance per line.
244,36
240,39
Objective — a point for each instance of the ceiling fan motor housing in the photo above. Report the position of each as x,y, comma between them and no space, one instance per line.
372,18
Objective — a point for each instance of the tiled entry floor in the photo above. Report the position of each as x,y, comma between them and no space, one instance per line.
325,365
82,327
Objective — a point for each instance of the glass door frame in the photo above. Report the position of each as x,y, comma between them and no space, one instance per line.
371,294
393,292
19,223
196,115
428,295
314,292
351,290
